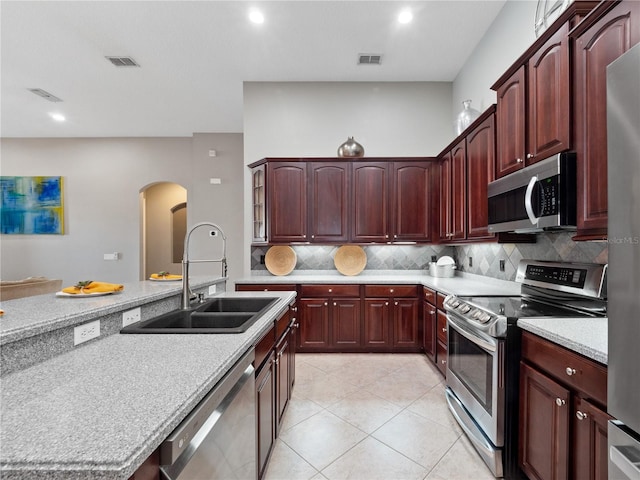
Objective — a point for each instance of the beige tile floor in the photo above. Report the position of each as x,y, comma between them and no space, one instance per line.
368,417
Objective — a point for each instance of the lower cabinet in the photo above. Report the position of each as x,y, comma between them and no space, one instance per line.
562,419
274,379
441,335
429,323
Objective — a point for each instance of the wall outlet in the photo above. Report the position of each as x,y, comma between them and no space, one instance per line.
212,289
502,265
111,256
131,316
86,332
262,259
470,261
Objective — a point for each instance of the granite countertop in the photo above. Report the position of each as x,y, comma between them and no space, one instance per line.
100,410
464,284
30,316
587,336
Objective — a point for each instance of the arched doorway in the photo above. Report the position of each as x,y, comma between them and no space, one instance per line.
164,224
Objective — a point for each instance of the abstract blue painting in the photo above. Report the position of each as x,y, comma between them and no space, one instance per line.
32,205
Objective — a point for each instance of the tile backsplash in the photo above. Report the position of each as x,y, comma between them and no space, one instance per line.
485,256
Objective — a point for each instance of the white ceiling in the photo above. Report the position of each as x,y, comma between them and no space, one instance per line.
195,56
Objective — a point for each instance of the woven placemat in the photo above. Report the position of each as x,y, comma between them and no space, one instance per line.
280,260
350,259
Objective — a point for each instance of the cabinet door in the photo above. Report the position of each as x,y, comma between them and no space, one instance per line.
314,324
376,323
265,411
369,202
446,229
590,459
329,190
544,426
405,324
441,357
429,337
597,47
510,124
549,98
258,181
459,191
345,322
287,201
481,162
412,210
283,392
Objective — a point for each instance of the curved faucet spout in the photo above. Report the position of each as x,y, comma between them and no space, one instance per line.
186,290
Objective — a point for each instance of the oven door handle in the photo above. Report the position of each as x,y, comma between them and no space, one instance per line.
528,203
471,336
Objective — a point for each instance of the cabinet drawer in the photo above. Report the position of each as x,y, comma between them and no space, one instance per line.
441,357
281,324
569,368
265,287
429,295
441,327
264,347
440,301
330,290
391,291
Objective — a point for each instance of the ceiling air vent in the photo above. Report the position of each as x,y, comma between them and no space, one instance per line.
369,59
123,61
45,95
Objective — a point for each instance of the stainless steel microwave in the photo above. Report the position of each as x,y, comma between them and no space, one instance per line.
539,197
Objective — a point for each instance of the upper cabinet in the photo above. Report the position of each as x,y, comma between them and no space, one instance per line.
534,98
331,201
611,29
466,168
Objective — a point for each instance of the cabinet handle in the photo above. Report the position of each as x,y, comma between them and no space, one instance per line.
443,362
335,304
570,371
330,290
313,236
391,290
560,402
432,312
386,303
395,236
297,325
325,304
266,290
386,236
581,415
518,160
396,303
530,155
444,329
295,309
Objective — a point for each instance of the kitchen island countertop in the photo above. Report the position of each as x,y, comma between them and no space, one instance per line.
101,409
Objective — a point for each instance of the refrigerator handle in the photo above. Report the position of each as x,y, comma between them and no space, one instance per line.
626,465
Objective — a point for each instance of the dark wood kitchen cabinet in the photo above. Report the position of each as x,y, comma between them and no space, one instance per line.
608,32
391,318
481,161
329,188
412,204
429,322
287,202
453,193
329,318
370,202
562,419
534,97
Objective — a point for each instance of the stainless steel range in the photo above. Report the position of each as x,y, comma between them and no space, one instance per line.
484,350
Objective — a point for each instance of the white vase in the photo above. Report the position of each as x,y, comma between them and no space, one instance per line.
465,117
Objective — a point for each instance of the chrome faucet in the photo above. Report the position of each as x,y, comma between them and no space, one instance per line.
186,291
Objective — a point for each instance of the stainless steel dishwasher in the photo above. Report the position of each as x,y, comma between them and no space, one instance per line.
217,440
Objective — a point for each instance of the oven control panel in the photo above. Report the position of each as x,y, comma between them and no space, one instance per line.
468,311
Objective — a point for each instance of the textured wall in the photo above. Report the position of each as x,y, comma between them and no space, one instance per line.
486,256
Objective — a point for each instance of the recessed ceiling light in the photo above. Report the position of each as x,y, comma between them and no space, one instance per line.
256,17
405,16
58,117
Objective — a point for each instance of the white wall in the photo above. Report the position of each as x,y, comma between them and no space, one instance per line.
103,178
312,119
507,38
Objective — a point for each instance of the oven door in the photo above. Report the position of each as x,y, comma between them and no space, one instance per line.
475,375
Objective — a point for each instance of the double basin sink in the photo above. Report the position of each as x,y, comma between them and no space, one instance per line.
218,315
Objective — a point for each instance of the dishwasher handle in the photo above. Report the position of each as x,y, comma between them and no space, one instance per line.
182,443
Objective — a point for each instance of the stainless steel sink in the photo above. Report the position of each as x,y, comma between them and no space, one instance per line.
218,315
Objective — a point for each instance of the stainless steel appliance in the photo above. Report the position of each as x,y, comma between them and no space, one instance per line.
484,350
218,438
536,198
623,389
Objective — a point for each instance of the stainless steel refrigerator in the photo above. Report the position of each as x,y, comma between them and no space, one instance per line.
623,134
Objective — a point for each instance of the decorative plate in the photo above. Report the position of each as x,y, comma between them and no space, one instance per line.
280,260
350,259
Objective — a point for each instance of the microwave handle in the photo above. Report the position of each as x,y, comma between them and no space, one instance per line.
528,205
